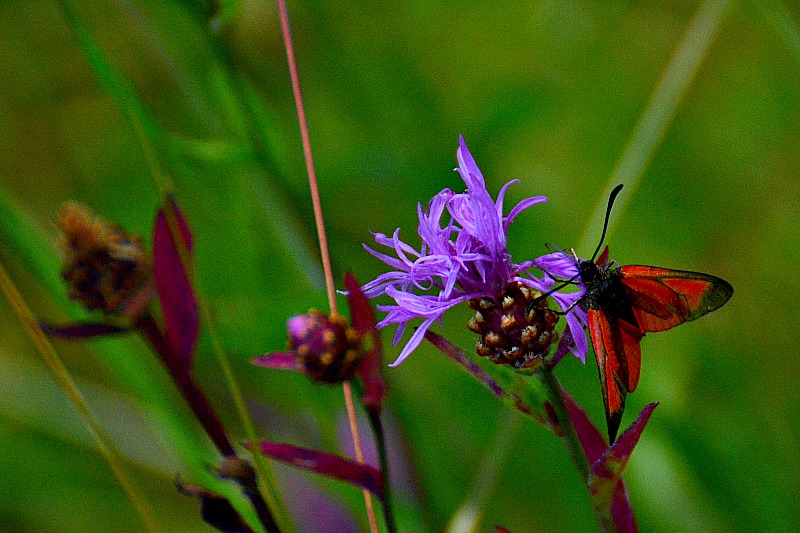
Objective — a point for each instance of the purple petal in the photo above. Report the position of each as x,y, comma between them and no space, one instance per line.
175,293
557,264
279,361
576,321
371,364
608,469
467,167
565,346
84,330
327,464
414,341
522,206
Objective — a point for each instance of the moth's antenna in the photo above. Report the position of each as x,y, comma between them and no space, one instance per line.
611,199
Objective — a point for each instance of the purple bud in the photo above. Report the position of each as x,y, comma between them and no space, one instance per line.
326,347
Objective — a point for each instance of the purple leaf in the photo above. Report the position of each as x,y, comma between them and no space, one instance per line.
522,390
608,469
592,441
84,330
327,464
621,511
279,361
594,446
216,510
178,301
371,365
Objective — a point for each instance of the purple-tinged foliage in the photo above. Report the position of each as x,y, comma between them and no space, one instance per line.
324,463
594,446
608,469
592,441
462,258
370,367
178,301
596,449
279,361
515,399
621,510
370,352
81,330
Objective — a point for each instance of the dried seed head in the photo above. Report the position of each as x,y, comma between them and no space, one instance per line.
508,335
237,469
327,348
103,264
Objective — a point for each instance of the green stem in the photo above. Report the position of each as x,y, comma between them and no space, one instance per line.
552,391
204,412
380,443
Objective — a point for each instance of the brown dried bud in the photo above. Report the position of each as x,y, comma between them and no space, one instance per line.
103,264
508,335
238,469
327,348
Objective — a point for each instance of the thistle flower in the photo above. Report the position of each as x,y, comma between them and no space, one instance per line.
560,266
104,266
327,348
465,259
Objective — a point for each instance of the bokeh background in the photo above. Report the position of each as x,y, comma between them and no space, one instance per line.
694,105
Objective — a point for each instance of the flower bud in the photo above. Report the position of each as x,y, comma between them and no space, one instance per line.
103,265
326,347
509,335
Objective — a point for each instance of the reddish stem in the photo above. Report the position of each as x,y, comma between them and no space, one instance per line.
180,374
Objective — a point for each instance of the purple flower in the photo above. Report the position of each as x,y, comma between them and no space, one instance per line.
462,257
560,266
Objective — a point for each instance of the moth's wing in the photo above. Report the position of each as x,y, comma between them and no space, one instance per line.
662,298
618,354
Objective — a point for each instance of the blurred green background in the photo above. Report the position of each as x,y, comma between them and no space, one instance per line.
562,95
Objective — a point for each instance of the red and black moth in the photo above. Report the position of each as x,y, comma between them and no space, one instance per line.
625,302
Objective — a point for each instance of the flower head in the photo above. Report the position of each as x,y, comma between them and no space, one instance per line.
327,348
104,265
560,266
463,255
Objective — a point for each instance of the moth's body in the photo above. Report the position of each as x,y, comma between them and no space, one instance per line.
605,290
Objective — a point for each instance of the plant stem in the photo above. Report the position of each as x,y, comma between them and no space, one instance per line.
204,412
122,90
105,443
197,401
552,390
321,234
380,443
351,417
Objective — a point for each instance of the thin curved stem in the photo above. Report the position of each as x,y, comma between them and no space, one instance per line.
62,377
380,443
321,235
